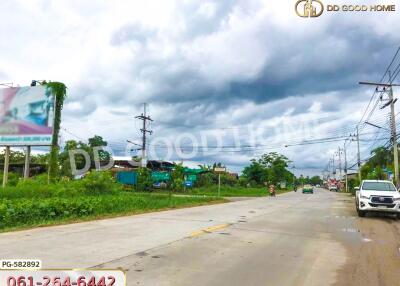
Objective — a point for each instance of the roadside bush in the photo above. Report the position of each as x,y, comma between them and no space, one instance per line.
13,178
229,180
95,183
144,180
229,191
28,212
205,180
177,177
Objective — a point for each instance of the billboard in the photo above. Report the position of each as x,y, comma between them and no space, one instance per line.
26,116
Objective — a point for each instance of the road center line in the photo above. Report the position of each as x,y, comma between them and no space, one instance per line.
209,230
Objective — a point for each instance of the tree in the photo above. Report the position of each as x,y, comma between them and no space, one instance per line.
64,157
80,160
275,165
144,179
380,157
97,141
255,172
15,156
59,90
206,179
271,168
177,177
316,180
206,167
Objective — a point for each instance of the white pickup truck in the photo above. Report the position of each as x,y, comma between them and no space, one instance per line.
377,196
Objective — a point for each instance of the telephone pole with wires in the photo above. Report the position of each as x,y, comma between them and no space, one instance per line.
357,138
388,89
340,163
144,117
345,166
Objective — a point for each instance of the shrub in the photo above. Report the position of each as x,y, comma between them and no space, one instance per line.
144,180
95,183
13,178
29,211
206,179
177,177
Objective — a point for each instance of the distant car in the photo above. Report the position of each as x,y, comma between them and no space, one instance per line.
308,189
377,196
318,186
333,188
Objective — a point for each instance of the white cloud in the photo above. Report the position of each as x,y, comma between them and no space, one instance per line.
202,65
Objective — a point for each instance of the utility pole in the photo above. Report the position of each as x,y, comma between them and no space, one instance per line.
357,136
394,136
388,88
345,165
358,155
340,163
333,167
27,160
144,131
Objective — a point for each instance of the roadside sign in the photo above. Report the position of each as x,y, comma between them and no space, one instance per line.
219,169
188,184
191,177
160,176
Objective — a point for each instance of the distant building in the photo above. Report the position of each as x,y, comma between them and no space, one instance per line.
351,175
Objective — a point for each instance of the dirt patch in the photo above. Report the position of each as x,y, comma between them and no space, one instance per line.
376,260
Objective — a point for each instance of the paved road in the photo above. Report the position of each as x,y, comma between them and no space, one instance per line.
293,239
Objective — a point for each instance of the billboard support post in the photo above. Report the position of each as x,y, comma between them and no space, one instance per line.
6,163
27,159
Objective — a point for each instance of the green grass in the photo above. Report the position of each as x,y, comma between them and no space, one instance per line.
227,191
23,213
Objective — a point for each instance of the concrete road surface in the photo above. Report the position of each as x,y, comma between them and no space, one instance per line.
293,239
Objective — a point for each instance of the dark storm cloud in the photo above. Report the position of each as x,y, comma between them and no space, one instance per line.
187,76
336,62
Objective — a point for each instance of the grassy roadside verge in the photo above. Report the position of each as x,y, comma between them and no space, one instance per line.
227,191
23,213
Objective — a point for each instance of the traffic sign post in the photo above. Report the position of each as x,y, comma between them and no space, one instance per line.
219,170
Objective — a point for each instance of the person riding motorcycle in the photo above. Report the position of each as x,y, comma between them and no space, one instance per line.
272,190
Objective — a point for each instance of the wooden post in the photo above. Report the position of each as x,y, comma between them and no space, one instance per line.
6,163
219,185
27,159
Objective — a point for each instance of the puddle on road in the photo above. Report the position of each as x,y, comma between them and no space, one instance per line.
351,230
224,233
340,217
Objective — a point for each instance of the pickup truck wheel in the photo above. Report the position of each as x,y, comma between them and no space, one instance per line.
361,213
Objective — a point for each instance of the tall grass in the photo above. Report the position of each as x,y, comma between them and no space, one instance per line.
34,202
229,191
32,212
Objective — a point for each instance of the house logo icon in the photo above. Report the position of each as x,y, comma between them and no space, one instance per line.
309,8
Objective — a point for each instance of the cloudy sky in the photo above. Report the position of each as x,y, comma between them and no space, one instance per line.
247,76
